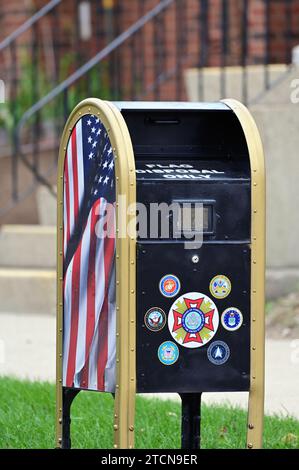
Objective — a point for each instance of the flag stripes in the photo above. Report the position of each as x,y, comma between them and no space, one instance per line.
89,269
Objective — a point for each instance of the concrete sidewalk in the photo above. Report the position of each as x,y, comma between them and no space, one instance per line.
27,350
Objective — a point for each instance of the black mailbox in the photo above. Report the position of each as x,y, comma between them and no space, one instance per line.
199,297
191,296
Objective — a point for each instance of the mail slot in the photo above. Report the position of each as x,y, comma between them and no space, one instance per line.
184,291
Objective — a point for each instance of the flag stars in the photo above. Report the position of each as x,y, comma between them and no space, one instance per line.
90,156
106,180
89,122
93,130
94,144
110,151
99,131
105,164
89,139
95,192
111,165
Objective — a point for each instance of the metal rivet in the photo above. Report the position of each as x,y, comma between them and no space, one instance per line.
195,259
132,379
115,416
60,420
132,349
253,376
131,428
254,184
254,348
116,386
253,319
250,446
132,321
132,291
60,440
132,262
254,291
115,427
250,426
255,211
254,261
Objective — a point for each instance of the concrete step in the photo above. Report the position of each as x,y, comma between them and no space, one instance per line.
27,291
209,79
28,246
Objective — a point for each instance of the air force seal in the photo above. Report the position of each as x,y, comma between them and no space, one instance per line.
231,319
168,353
218,352
193,320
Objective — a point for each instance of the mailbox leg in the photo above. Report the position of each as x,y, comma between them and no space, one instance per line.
190,432
68,396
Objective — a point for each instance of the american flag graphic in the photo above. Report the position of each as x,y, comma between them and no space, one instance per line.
89,312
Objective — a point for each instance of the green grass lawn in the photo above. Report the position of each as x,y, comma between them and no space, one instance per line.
27,421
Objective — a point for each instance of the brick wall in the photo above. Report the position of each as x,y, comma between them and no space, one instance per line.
175,39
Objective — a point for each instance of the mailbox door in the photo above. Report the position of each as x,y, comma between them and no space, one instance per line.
193,370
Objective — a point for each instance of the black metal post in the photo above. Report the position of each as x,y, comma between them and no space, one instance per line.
15,137
288,31
245,51
190,431
203,45
68,395
224,48
267,45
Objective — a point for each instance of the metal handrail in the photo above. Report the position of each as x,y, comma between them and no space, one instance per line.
64,85
28,23
114,44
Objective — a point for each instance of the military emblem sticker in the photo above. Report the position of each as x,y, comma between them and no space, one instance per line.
220,286
218,352
155,319
169,285
193,320
231,319
168,353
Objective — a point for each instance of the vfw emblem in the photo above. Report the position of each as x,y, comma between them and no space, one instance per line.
193,320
